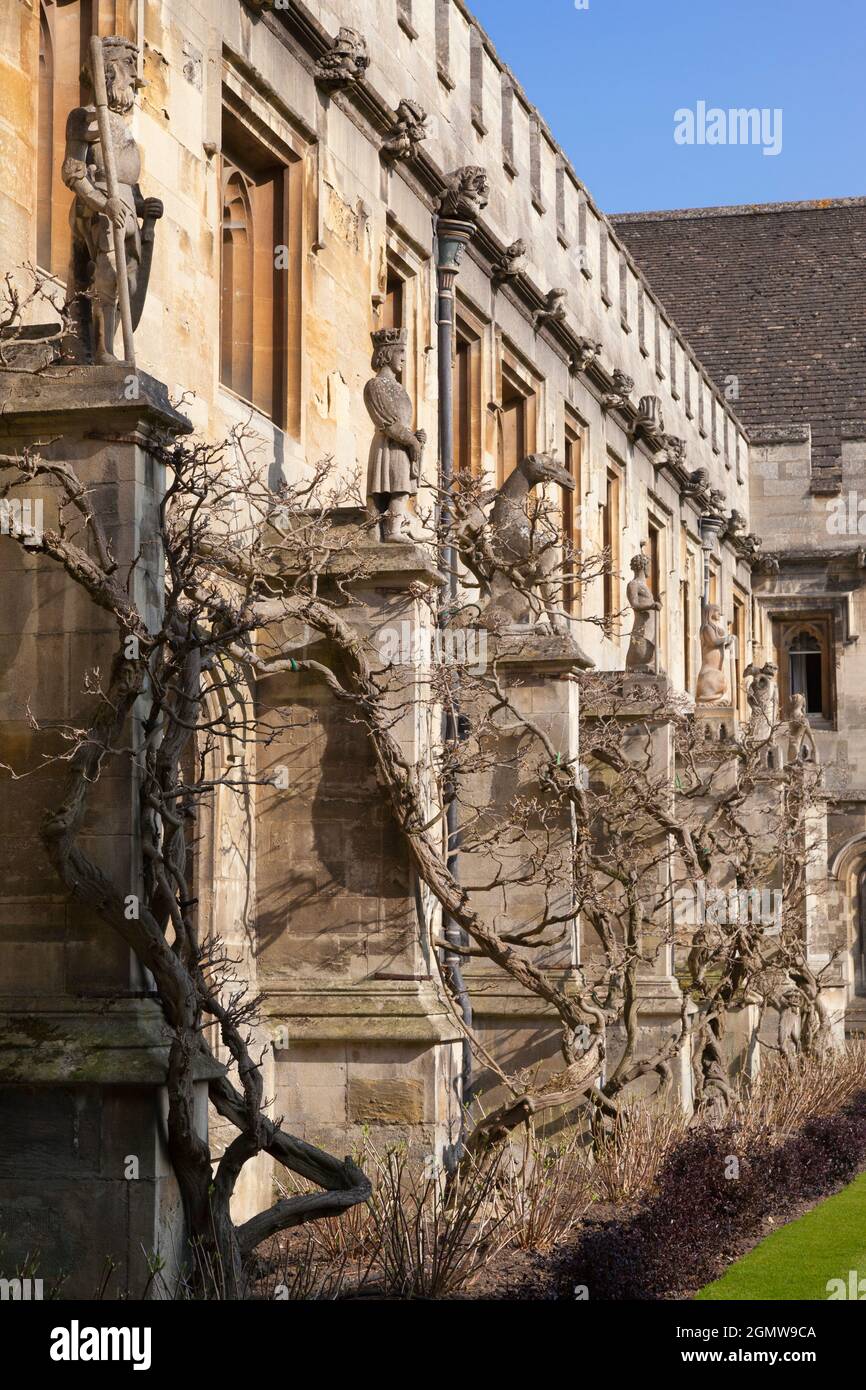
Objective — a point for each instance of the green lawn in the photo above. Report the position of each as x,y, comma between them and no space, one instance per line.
797,1260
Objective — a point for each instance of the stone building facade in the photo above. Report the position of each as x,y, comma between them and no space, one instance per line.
300,187
785,334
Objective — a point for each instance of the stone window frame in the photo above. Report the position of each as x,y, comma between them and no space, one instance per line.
512,370
740,647
820,623
471,332
575,432
51,215
266,128
402,262
659,524
610,527
690,575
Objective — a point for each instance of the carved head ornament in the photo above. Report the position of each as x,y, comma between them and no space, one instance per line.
387,341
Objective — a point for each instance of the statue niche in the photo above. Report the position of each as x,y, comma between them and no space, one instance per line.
95,215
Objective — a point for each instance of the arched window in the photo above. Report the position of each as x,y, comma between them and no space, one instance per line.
805,646
236,324
253,271
64,34
805,669
45,142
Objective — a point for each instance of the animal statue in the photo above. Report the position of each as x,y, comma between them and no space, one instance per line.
801,740
712,687
513,554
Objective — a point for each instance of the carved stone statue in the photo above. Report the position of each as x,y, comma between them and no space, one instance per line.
643,647
514,562
801,740
587,353
712,687
621,388
673,452
94,214
697,481
511,263
553,311
737,523
466,194
345,62
397,449
763,698
650,418
407,132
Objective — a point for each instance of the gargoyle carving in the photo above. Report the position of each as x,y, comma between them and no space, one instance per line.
511,263
345,62
587,353
621,388
650,419
407,132
697,481
553,311
466,194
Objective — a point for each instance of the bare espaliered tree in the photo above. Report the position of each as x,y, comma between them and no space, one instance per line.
174,695
244,565
720,861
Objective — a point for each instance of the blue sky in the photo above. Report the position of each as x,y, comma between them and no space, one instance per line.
609,78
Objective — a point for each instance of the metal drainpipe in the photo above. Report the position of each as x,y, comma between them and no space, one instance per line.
451,237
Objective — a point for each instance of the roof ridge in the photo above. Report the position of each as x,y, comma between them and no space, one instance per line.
737,210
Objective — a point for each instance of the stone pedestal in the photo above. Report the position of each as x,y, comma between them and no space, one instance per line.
363,1036
82,1048
538,670
640,703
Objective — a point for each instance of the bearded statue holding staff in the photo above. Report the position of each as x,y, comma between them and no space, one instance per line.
96,213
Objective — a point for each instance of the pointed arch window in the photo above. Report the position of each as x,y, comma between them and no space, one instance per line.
65,27
253,275
236,323
805,645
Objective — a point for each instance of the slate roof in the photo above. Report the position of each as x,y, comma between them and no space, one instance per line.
774,294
